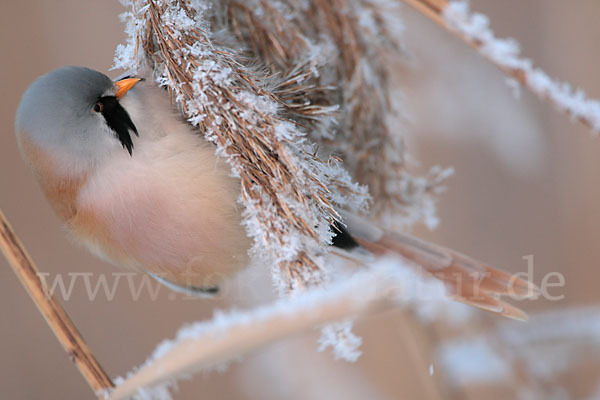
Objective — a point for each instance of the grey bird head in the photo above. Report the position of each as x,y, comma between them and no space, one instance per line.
76,110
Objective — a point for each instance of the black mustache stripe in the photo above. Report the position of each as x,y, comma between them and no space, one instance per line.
119,121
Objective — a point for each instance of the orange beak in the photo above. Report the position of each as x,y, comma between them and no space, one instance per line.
124,85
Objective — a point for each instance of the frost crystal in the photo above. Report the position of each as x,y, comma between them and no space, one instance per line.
474,361
340,338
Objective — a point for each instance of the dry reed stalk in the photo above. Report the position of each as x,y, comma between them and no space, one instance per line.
435,10
217,344
361,65
53,313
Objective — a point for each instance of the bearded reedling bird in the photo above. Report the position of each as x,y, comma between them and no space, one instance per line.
132,180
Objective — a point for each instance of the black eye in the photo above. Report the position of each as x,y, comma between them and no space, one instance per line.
98,107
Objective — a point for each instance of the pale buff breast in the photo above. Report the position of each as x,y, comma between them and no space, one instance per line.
170,209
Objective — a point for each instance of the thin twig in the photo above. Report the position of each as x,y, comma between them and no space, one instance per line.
522,73
55,315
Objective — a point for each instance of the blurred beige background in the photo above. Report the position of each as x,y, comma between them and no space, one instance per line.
526,183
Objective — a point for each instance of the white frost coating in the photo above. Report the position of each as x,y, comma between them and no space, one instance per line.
393,276
125,57
506,53
550,344
419,197
342,340
472,361
158,392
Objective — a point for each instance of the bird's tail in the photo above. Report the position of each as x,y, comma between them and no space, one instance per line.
467,280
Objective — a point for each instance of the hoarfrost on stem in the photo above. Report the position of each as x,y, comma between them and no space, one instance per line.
506,53
389,280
